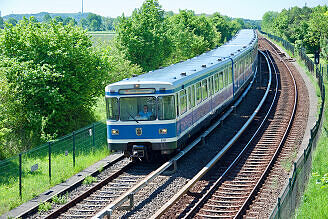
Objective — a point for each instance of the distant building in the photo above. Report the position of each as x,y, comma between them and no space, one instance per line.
0,13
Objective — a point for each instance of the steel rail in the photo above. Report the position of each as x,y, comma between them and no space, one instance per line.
107,211
209,165
275,156
87,193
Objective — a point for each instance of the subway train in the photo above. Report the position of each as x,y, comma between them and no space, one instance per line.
158,112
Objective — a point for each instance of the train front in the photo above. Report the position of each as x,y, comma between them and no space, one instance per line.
141,118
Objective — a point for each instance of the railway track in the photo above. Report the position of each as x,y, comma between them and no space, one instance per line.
125,183
118,180
229,189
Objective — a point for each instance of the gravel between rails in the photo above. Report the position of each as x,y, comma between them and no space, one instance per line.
164,187
80,189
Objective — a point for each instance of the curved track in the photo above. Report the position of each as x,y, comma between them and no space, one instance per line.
227,192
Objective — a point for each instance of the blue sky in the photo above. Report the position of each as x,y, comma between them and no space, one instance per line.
251,9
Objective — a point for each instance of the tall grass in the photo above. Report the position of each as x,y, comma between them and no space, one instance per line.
37,182
315,199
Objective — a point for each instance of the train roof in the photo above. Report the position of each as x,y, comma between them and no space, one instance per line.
174,75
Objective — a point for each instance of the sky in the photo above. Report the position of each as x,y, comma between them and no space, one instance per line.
249,9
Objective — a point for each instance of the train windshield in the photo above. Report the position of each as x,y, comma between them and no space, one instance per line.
166,109
138,108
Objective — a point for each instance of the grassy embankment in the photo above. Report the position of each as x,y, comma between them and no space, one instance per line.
315,198
38,182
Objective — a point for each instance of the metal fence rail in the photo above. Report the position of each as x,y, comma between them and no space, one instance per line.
291,196
51,162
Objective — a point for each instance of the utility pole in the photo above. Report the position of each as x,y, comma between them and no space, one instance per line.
82,7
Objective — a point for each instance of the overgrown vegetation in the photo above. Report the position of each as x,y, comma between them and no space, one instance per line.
305,27
89,180
316,194
45,206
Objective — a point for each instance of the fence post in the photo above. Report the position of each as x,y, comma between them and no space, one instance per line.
73,149
93,135
20,175
49,154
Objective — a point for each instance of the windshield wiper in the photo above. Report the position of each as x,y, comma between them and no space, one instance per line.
133,117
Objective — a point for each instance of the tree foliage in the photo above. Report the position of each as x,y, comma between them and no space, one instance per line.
303,26
143,38
50,79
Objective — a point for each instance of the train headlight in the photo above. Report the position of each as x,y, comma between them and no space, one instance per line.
163,131
115,132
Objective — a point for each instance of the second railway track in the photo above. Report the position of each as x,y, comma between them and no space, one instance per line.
227,191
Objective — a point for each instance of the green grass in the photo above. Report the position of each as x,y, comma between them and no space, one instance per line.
45,206
315,199
100,37
38,181
89,180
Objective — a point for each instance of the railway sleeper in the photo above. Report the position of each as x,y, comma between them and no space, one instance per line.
221,206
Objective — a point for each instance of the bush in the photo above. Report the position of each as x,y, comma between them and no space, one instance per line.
50,78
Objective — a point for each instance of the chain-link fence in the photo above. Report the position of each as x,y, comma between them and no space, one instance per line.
32,172
291,196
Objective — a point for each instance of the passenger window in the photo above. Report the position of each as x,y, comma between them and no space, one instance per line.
216,83
210,85
221,85
112,108
230,74
198,93
204,89
193,95
226,77
183,101
177,100
189,97
166,109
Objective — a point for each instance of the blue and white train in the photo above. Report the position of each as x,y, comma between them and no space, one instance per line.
159,111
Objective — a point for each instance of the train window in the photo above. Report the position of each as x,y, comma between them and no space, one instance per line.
166,108
138,108
189,97
216,83
193,95
210,81
177,101
221,85
204,89
112,108
198,93
226,77
183,101
230,74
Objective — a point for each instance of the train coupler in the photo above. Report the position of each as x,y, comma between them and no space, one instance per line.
138,151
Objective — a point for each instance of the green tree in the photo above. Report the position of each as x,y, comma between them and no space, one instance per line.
54,76
222,26
70,21
94,21
46,18
268,21
12,21
190,35
58,19
1,23
84,23
142,36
